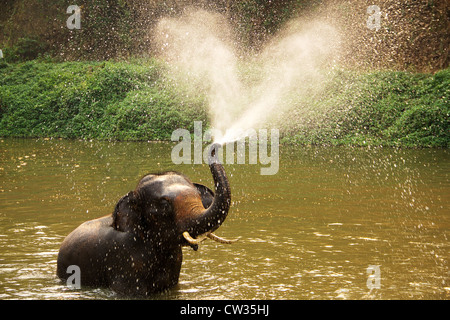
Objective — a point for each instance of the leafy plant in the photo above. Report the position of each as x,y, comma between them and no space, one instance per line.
134,101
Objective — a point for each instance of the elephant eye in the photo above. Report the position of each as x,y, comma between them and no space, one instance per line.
164,201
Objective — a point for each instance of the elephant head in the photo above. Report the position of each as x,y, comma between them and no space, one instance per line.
177,209
140,242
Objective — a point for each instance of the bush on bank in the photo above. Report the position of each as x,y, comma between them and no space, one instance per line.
100,100
388,108
135,101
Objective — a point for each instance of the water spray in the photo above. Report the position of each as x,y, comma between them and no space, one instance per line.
206,56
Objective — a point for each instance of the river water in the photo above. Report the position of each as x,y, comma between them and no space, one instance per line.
333,223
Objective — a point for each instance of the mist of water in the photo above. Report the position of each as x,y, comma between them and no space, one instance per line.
246,91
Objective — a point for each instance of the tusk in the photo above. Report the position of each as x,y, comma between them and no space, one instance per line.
191,240
214,237
210,235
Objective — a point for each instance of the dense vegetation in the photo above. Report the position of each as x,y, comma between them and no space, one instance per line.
388,108
92,100
135,101
123,28
59,82
413,35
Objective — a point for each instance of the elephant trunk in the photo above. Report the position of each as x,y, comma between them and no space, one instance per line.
212,217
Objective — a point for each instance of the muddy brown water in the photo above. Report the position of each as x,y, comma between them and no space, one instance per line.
309,232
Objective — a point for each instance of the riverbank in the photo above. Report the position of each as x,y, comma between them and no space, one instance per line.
135,101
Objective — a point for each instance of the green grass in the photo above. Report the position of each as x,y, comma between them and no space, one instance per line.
380,108
100,100
135,101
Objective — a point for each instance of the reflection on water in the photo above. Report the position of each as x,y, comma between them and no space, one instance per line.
308,232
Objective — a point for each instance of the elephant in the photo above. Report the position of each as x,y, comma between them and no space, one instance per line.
137,249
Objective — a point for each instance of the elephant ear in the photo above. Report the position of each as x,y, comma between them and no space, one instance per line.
125,213
206,194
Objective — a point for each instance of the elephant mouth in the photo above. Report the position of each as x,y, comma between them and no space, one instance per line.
194,242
